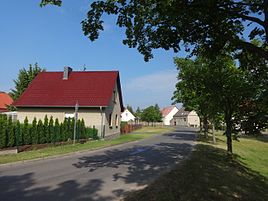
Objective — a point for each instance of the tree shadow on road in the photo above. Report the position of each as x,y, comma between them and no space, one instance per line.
143,163
22,188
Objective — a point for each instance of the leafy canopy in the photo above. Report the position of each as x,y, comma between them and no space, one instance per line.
171,24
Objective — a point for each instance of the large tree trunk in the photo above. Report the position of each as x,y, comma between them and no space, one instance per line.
229,135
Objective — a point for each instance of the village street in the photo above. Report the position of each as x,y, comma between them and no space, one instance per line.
105,174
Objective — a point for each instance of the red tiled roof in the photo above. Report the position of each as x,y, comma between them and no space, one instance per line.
165,111
5,99
90,89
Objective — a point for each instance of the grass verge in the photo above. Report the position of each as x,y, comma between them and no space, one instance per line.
211,174
65,149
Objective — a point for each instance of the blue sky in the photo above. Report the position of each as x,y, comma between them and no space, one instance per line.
52,36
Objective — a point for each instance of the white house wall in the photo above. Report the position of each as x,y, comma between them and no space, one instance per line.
167,119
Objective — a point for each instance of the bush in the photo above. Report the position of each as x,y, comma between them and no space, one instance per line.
16,133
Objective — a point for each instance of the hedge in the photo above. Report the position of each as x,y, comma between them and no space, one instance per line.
41,132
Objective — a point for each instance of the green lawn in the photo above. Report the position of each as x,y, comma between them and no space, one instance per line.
65,149
211,174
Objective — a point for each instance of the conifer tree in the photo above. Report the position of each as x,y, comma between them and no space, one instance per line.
34,135
45,131
57,133
51,130
26,131
40,132
17,133
10,133
3,123
25,77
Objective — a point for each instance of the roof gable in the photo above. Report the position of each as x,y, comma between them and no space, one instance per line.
182,113
89,89
165,111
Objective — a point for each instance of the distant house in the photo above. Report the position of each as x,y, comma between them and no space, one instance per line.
186,118
97,94
168,113
5,99
127,116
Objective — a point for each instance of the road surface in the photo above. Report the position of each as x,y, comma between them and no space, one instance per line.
102,175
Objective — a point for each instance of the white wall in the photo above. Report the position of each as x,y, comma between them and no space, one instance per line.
127,116
167,119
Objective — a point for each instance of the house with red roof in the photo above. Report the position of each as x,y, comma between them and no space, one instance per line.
97,95
168,113
5,99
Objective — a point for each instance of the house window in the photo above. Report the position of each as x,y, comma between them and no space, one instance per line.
184,119
114,96
69,115
110,121
116,121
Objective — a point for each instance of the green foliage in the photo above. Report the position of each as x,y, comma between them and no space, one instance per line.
25,77
40,132
51,136
34,134
57,131
151,114
18,134
212,87
26,132
154,24
12,134
46,130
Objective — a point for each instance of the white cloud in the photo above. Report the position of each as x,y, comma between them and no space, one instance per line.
150,89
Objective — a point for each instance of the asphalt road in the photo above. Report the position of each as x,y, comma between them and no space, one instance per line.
102,175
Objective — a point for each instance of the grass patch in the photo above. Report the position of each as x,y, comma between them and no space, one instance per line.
91,145
211,174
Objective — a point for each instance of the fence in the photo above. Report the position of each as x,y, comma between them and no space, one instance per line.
128,128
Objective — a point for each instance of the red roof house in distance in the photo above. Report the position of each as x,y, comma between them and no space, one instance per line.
97,94
5,99
168,113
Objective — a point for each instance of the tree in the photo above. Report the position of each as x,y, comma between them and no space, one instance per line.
130,109
154,24
218,84
25,77
34,134
51,132
57,131
40,132
46,136
138,113
25,133
151,114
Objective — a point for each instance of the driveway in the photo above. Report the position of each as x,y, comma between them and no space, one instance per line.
102,175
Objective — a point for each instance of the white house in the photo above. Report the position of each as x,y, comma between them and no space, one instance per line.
127,116
168,113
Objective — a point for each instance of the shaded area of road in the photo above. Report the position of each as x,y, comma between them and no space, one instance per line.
98,176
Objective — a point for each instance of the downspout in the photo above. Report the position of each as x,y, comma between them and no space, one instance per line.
102,134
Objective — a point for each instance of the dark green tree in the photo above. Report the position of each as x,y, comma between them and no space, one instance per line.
154,24
3,136
10,133
151,114
18,134
26,132
34,134
46,130
25,77
40,132
51,132
57,131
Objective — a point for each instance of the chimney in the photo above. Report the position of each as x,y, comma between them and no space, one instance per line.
66,72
